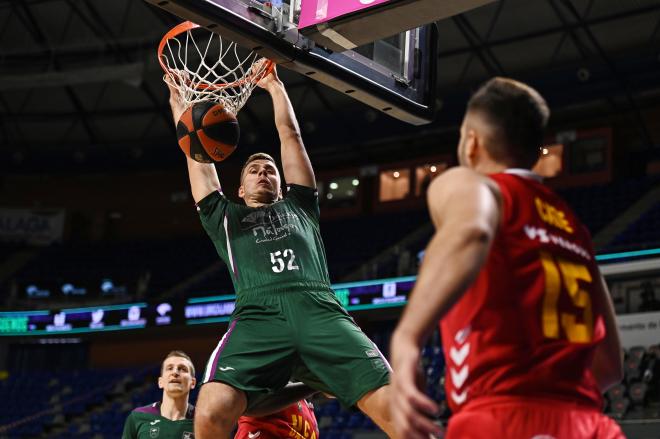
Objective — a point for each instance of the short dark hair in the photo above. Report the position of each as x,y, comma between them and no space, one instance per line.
519,114
257,156
181,354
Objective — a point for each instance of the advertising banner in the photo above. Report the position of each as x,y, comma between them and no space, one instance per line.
30,226
313,12
642,329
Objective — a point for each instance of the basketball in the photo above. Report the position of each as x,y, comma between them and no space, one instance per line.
208,132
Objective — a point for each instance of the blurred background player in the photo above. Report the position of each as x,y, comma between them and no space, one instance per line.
285,309
295,421
528,328
172,416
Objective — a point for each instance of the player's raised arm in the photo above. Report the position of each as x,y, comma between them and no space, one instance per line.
203,176
295,162
465,210
607,366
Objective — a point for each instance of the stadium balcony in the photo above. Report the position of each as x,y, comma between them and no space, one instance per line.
349,242
108,272
596,206
641,234
358,248
176,267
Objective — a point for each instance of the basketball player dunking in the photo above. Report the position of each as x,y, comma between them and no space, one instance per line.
288,322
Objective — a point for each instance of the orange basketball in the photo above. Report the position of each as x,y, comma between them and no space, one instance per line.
208,132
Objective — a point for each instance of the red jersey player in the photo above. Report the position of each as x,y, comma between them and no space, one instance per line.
527,324
295,421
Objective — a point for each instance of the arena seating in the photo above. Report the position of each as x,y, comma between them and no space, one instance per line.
349,242
51,403
597,206
643,233
167,263
85,403
636,397
90,404
352,241
162,264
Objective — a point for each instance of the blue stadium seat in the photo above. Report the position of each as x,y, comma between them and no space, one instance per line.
355,420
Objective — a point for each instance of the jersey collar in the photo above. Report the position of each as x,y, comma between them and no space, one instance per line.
524,173
190,410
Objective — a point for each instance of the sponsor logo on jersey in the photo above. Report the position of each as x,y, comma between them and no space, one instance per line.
254,435
268,225
372,353
225,369
376,359
544,236
154,422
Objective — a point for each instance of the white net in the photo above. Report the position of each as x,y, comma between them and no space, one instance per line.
204,67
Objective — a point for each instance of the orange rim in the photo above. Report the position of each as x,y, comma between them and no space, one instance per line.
189,25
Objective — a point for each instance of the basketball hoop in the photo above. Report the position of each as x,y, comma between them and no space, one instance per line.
203,66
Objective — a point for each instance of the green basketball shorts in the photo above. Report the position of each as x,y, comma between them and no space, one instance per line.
308,337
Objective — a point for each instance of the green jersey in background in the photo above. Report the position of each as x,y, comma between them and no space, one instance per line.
147,423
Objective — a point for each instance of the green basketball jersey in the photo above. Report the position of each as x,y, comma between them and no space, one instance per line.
147,423
271,248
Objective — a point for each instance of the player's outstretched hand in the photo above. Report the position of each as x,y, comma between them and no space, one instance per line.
270,76
176,102
411,410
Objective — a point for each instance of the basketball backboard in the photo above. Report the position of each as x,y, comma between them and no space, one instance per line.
390,69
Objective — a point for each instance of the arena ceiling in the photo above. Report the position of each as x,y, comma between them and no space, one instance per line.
80,85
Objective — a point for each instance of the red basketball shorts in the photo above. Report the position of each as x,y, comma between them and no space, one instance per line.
529,418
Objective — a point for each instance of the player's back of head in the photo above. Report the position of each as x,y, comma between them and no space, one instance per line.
518,115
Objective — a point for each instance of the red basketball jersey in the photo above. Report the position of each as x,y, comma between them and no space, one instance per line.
527,325
295,421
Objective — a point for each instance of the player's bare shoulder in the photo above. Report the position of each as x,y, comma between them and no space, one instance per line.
462,198
459,180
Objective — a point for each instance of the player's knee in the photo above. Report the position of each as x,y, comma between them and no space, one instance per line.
220,405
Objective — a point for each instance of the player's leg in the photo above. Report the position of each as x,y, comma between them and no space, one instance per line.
339,358
376,405
218,408
254,357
